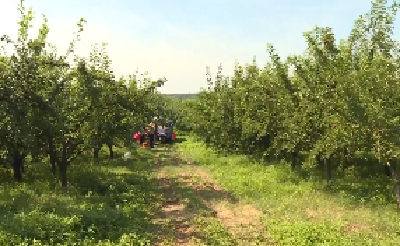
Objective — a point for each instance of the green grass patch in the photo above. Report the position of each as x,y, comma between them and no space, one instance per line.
110,203
214,233
302,211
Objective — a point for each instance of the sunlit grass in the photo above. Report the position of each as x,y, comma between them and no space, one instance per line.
302,211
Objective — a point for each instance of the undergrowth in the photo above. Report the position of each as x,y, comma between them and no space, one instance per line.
109,203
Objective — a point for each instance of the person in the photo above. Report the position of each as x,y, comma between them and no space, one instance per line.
151,133
155,131
166,130
161,133
170,132
142,135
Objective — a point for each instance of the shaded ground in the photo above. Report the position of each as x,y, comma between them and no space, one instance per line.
111,201
197,211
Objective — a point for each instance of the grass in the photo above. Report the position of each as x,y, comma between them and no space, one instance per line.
114,202
120,202
302,211
106,204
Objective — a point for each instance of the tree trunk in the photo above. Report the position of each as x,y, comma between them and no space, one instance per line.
23,163
396,177
62,165
53,156
110,149
294,156
346,161
53,166
17,166
96,151
320,162
63,173
328,162
387,170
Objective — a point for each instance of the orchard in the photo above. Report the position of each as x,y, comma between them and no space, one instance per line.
64,127
341,105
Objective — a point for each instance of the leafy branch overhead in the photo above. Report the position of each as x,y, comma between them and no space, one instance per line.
55,109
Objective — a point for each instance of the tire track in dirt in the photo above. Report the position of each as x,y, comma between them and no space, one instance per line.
174,214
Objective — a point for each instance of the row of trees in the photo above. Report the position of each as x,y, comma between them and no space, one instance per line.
342,100
55,111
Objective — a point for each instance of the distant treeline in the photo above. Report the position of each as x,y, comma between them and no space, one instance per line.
183,96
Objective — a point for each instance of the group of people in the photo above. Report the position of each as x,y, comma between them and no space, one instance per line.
155,133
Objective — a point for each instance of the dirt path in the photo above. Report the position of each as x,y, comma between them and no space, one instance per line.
197,211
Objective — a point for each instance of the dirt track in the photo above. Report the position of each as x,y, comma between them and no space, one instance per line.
197,211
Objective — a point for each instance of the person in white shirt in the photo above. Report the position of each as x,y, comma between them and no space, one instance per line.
161,133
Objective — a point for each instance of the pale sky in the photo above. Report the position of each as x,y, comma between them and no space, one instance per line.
178,39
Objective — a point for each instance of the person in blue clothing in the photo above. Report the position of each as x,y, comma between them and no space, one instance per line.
161,133
169,133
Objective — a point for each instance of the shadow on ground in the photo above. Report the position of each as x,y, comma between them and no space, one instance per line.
364,179
179,140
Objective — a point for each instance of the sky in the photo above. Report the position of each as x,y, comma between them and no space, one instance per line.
179,39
